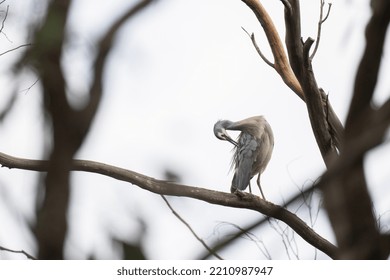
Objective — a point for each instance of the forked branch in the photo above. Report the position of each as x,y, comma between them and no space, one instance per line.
320,22
18,252
281,63
263,57
298,75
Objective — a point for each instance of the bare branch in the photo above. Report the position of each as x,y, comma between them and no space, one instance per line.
4,19
345,191
356,230
335,126
287,5
247,200
291,75
298,53
104,47
367,74
320,22
18,47
252,237
26,90
51,223
315,107
252,37
369,138
234,236
69,125
190,228
293,37
18,252
281,63
328,13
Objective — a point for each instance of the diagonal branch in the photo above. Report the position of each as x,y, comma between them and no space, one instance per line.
247,201
315,107
281,63
367,74
211,251
18,252
14,49
104,47
263,57
295,75
356,230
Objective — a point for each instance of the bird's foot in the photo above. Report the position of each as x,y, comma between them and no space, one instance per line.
238,193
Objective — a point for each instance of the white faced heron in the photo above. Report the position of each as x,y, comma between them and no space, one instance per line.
252,151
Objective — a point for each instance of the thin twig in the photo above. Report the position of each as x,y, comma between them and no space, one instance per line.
189,227
17,252
320,22
21,46
252,37
26,90
327,14
252,237
5,17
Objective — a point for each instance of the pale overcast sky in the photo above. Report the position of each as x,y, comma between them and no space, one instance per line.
175,70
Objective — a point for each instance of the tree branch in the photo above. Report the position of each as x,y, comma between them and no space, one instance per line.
293,75
18,47
248,201
346,195
281,63
301,64
292,18
190,228
105,44
315,107
45,55
69,125
234,236
18,252
4,19
263,57
367,74
319,28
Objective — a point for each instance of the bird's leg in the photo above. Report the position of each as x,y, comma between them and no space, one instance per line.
258,183
250,189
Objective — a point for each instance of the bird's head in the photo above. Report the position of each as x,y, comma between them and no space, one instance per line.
220,131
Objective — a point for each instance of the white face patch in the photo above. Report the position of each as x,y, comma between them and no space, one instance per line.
222,134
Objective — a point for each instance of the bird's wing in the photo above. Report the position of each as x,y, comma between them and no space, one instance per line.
263,153
244,158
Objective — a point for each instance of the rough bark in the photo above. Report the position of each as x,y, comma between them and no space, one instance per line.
344,185
247,201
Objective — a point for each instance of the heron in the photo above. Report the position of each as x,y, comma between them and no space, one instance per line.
252,150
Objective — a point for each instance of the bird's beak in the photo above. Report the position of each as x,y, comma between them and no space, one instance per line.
231,140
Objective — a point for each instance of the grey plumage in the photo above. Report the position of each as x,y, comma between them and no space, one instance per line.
252,150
